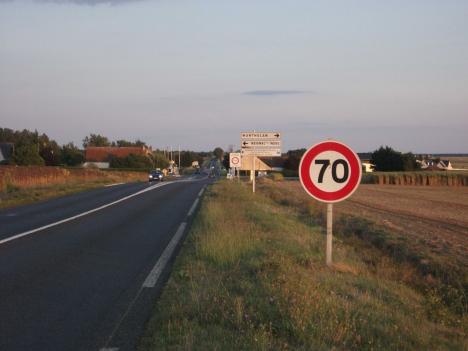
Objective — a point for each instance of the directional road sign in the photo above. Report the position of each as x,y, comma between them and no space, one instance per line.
275,144
260,136
266,144
330,171
262,152
235,160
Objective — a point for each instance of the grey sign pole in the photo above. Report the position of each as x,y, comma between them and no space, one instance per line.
329,234
253,173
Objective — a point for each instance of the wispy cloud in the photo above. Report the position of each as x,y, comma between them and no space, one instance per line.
275,92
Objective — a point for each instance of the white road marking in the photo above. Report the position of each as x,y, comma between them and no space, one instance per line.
201,191
110,349
158,268
109,185
32,231
194,206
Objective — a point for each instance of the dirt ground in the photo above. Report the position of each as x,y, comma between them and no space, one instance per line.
436,217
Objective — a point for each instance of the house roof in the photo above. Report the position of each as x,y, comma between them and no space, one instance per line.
274,162
6,151
104,153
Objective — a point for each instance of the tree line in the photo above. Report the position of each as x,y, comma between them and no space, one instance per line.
30,148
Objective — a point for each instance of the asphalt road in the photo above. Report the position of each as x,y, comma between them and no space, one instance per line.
80,284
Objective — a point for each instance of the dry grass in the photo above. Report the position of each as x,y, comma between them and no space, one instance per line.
23,185
251,276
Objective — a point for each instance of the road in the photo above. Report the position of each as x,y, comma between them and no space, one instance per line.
82,272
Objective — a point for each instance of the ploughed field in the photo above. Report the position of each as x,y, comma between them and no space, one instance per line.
435,217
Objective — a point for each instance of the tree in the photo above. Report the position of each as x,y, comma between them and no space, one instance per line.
218,153
95,140
131,161
386,159
71,155
27,155
160,161
293,159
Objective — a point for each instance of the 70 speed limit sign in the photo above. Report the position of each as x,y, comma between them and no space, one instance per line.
330,171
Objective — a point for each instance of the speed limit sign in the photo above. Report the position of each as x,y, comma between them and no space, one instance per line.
330,172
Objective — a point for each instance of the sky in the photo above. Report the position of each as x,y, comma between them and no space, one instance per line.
196,73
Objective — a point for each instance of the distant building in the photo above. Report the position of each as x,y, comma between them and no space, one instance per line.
6,152
435,165
276,164
99,156
367,166
444,165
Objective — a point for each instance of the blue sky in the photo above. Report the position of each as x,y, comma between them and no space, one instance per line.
196,73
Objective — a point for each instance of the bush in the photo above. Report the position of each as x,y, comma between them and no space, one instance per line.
277,177
131,161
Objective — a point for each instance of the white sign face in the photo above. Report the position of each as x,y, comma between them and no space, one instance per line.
262,152
329,171
235,160
275,144
260,136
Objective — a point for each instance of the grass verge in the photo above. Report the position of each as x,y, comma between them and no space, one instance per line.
251,276
15,196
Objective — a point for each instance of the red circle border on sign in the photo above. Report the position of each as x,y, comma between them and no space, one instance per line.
325,196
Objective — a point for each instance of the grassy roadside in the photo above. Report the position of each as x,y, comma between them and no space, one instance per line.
251,275
14,196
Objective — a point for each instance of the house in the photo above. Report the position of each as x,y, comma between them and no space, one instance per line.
99,156
6,152
275,163
260,165
435,165
444,165
367,166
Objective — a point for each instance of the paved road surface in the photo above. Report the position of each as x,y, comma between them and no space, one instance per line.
78,285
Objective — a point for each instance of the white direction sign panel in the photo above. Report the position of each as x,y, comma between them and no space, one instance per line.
266,144
262,152
235,160
260,136
260,144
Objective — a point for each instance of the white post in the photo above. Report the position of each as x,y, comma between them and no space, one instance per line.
253,173
329,234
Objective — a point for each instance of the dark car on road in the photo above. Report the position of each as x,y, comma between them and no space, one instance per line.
155,176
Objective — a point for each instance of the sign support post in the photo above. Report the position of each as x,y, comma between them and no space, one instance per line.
329,234
253,173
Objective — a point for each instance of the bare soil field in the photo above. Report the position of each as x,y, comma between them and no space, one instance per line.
458,161
433,217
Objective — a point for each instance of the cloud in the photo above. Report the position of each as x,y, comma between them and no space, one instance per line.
274,92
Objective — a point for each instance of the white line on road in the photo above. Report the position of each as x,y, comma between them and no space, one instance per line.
110,349
155,273
29,232
201,191
194,206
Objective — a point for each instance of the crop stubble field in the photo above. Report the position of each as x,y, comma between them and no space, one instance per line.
434,216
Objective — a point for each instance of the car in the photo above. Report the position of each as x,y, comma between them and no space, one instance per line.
155,176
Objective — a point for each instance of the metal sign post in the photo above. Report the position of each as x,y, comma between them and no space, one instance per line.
330,172
329,234
253,174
